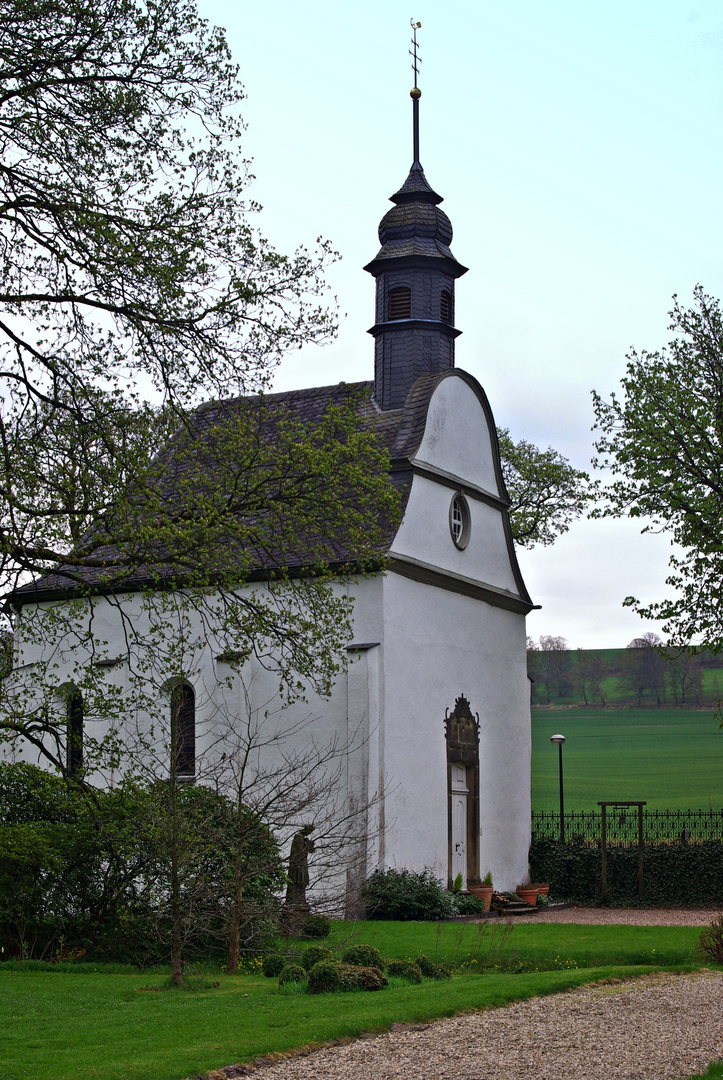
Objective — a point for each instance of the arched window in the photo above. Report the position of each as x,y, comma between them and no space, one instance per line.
400,303
74,732
445,306
183,723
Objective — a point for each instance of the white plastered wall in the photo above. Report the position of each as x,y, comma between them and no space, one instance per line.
424,645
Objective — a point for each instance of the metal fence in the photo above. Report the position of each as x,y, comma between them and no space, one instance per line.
659,826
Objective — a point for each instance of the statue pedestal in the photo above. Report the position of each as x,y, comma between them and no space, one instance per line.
294,916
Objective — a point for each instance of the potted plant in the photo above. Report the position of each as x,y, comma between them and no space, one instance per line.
528,893
483,891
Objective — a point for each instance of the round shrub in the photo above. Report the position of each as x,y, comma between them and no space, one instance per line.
426,965
402,895
363,956
324,978
404,969
429,969
291,973
355,977
317,926
315,954
273,964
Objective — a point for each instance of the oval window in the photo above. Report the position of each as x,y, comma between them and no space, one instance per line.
459,521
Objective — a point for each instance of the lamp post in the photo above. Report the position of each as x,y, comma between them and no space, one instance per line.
559,740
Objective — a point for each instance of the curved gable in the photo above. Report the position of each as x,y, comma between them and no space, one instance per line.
459,434
448,436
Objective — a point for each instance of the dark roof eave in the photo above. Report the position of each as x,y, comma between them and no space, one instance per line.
414,324
19,600
410,262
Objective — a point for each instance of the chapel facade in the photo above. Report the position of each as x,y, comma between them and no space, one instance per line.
434,705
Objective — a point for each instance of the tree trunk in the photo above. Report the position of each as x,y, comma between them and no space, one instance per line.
235,923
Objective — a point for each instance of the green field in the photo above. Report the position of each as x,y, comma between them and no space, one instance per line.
671,758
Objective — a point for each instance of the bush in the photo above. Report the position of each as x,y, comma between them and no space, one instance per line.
426,965
91,869
355,977
363,956
711,940
429,969
324,978
468,905
404,969
273,964
291,973
317,926
402,895
315,954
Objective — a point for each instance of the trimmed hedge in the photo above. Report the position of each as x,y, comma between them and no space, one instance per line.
673,874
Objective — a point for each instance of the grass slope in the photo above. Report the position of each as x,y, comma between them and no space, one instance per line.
97,1025
91,1027
670,757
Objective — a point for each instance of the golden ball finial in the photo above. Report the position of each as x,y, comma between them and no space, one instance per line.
415,93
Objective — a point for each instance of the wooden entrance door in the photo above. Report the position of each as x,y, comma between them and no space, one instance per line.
460,794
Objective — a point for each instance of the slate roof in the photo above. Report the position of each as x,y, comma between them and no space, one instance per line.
399,430
416,188
415,226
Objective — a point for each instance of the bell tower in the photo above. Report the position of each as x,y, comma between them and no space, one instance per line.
415,272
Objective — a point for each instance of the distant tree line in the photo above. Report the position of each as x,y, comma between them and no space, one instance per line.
646,672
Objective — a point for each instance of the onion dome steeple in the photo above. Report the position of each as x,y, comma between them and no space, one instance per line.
415,272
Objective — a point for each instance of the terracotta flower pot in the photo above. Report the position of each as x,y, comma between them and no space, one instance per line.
543,889
483,893
529,895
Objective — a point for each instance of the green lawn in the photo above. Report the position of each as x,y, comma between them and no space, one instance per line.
68,1026
671,758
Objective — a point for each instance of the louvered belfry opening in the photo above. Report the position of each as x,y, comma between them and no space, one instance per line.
400,303
445,306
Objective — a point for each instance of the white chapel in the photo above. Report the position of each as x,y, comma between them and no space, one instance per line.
434,704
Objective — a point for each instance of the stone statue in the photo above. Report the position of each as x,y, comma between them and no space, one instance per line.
301,848
296,907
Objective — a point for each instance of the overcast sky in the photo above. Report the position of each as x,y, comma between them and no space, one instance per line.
578,149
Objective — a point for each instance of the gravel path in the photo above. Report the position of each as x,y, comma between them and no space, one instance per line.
630,916
660,1027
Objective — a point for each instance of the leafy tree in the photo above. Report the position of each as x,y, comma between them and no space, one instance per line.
685,675
96,872
127,253
662,440
546,492
133,286
588,673
643,667
555,665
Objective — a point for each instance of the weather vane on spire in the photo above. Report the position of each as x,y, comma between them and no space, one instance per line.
416,58
415,93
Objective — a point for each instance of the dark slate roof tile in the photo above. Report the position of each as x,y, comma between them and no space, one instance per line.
400,431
